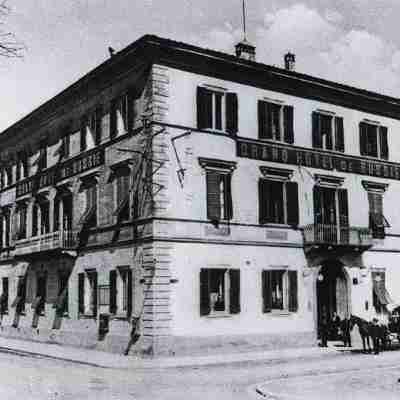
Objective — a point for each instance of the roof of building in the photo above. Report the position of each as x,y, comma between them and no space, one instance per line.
225,66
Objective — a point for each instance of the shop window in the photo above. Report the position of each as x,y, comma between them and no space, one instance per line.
380,295
90,131
275,122
219,291
121,291
374,140
279,290
217,110
4,296
87,293
327,131
20,299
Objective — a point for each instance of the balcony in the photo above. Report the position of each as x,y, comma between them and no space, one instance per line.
59,240
329,237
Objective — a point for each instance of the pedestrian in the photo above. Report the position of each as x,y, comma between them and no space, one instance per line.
375,334
346,332
324,327
135,335
336,325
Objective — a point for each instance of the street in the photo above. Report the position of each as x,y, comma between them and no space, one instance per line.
346,376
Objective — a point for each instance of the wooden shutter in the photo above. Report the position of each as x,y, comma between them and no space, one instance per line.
262,120
95,293
266,291
113,291
113,118
292,203
383,139
234,291
363,138
213,195
317,205
327,130
204,108
228,197
339,134
232,113
343,207
81,293
83,133
98,125
316,130
264,194
204,292
288,124
130,292
293,292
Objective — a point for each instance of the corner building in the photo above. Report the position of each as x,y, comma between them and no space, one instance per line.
222,203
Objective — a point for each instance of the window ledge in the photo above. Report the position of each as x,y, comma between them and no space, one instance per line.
279,313
222,315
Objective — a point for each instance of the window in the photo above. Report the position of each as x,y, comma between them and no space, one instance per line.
63,211
41,161
121,291
327,132
87,293
122,114
61,304
41,217
380,295
219,196
91,129
19,301
122,192
275,122
38,305
20,217
4,296
22,165
217,110
377,221
278,202
374,140
219,291
63,149
279,290
5,221
6,177
89,217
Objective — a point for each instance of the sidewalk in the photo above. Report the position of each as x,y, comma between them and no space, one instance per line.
109,360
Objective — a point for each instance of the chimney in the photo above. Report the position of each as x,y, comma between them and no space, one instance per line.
290,61
245,50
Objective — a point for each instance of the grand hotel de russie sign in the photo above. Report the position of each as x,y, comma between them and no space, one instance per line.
315,158
60,172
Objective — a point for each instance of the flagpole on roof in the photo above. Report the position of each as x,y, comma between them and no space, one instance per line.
244,20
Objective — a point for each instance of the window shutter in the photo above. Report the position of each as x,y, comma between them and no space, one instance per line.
288,124
228,197
293,296
130,292
262,120
232,113
113,292
83,133
264,194
363,138
316,131
339,134
327,129
383,130
204,108
266,291
204,292
98,127
95,293
81,293
317,205
113,118
343,207
292,203
234,293
213,195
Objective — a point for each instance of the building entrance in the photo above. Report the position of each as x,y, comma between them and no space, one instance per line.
332,294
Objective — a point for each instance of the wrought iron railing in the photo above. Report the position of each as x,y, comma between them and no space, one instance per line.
337,235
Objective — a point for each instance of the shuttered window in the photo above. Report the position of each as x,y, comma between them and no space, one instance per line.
217,110
122,114
279,290
89,217
374,140
377,220
91,129
122,185
121,291
327,132
278,202
219,195
275,122
219,291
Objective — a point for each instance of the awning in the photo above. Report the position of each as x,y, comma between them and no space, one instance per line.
383,295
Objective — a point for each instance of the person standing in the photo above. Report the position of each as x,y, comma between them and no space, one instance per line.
324,328
346,332
375,333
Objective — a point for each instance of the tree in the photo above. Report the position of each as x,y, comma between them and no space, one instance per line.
9,45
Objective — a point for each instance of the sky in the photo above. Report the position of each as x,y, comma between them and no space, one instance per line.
350,41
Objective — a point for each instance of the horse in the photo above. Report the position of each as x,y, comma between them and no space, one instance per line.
364,327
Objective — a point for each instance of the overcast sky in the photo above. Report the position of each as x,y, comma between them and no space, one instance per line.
352,41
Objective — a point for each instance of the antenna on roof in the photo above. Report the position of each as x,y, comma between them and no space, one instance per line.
244,20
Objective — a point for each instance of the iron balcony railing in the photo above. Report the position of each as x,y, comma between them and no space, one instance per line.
50,241
323,234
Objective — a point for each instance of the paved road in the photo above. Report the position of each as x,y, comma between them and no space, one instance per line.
28,377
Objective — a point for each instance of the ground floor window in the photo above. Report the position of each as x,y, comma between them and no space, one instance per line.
121,291
20,299
4,296
279,290
87,293
219,291
62,296
38,305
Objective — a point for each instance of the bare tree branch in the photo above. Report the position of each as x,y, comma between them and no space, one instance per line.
9,45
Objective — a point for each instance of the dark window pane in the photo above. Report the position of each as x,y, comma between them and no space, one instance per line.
218,110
